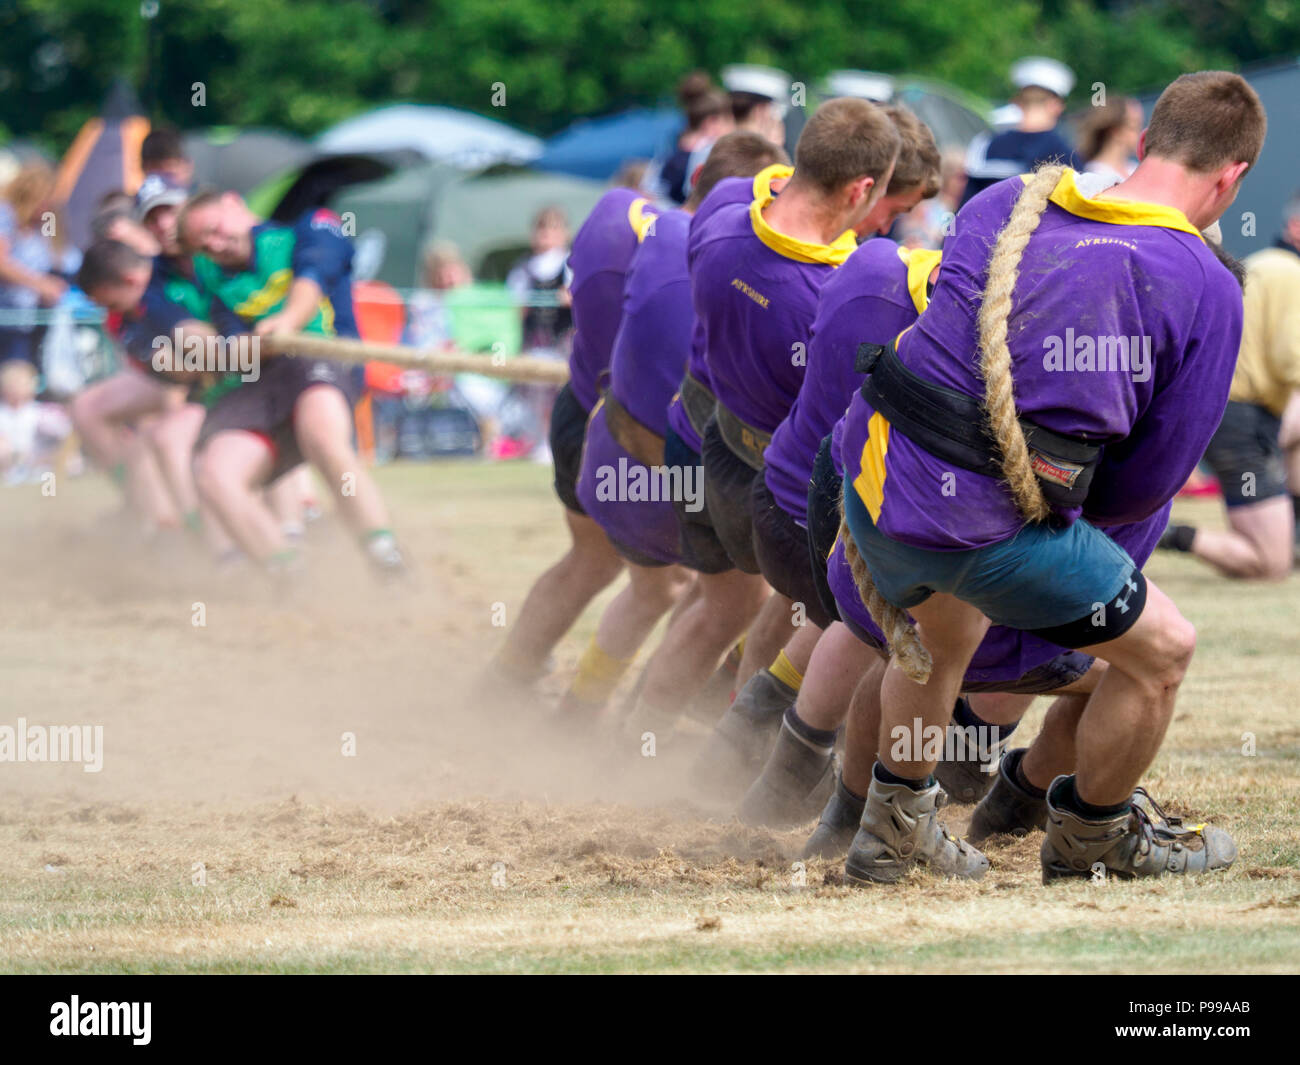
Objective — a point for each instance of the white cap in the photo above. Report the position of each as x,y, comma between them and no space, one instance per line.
862,84
761,81
1043,73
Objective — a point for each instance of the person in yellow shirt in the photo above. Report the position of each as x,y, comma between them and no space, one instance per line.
1255,452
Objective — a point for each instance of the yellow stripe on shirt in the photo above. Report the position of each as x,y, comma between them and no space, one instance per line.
870,481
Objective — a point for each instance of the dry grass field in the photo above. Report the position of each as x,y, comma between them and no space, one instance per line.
235,826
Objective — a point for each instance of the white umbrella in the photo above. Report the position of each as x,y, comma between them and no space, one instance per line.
440,134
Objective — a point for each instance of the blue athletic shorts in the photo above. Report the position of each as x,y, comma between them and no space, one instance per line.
1043,578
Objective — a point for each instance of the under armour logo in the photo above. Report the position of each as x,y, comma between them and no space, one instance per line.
1130,586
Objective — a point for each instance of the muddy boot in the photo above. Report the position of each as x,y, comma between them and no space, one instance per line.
838,824
900,827
1007,809
794,785
1139,842
743,738
969,775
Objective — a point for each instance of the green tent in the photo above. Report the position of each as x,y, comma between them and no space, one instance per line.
488,216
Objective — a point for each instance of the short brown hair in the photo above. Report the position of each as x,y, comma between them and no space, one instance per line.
1207,120
845,139
740,154
918,156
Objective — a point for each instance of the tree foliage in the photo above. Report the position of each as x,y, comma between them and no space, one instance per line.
305,64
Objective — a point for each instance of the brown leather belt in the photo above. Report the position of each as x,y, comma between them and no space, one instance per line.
644,445
744,441
698,402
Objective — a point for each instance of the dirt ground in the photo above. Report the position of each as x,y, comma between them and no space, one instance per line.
308,781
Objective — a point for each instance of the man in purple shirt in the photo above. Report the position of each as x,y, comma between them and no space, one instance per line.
624,484
598,265
755,270
1017,416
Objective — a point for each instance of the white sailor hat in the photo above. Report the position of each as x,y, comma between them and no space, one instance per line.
759,81
1043,73
862,84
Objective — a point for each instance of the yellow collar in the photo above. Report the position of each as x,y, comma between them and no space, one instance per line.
920,262
1067,196
799,250
639,218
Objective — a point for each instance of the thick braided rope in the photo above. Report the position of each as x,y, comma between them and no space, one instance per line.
900,633
995,356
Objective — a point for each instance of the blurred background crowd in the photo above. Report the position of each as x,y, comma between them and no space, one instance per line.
462,215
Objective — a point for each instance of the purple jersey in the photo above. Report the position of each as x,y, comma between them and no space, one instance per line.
728,191
1005,654
755,292
598,265
654,337
1124,332
873,297
646,366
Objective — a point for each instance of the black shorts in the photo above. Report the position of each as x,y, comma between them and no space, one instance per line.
1245,455
824,488
728,497
568,432
265,407
700,548
781,547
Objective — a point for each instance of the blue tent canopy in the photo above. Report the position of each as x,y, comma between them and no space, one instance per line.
597,147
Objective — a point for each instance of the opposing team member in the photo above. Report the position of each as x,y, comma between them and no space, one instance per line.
281,279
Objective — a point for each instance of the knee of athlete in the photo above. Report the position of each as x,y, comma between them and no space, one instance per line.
210,481
82,411
1173,653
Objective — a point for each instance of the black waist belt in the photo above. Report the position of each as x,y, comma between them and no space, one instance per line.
742,439
953,426
698,402
644,445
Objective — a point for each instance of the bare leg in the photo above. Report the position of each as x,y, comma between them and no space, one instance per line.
229,472
836,666
766,637
1257,545
560,595
1122,727
323,427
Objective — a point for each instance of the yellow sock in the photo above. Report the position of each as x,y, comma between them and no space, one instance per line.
598,674
783,670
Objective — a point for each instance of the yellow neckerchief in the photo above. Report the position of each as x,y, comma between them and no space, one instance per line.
1067,196
799,250
639,218
920,262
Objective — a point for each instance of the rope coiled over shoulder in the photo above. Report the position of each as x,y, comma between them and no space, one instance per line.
995,356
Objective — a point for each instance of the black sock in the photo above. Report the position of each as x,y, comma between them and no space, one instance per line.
1179,537
1295,505
1018,775
964,715
1093,813
818,737
886,777
861,800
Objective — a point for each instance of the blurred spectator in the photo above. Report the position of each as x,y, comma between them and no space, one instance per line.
546,329
1108,138
759,99
118,199
1041,88
930,221
632,174
429,321
30,432
708,117
32,256
163,152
